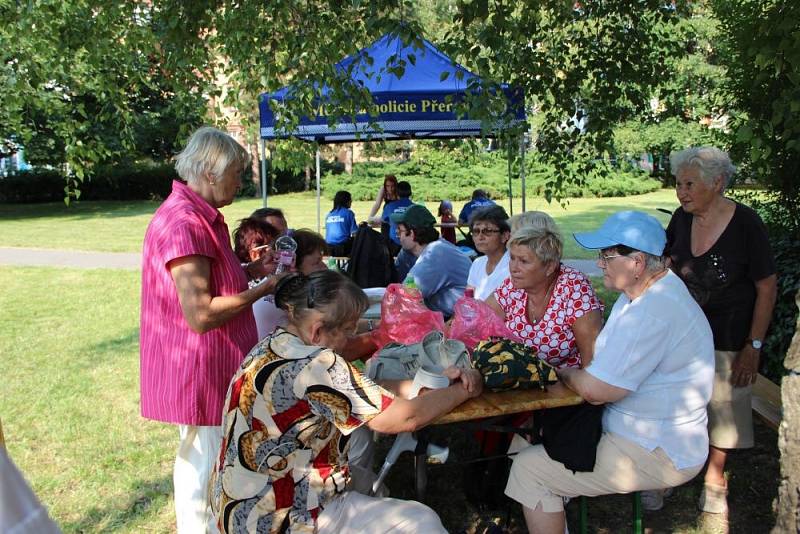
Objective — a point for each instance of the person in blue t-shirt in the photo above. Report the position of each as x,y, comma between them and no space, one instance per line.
340,225
480,198
441,270
396,206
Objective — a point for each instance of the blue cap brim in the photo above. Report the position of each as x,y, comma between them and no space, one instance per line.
593,240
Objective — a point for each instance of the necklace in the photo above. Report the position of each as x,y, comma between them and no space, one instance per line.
533,306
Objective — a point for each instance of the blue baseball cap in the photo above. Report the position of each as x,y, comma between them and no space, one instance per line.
633,229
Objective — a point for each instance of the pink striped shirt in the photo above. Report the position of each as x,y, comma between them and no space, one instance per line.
185,375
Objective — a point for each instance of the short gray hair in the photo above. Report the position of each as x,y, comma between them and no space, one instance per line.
209,150
545,244
652,263
533,219
709,160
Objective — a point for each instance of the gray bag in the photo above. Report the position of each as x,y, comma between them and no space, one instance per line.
434,353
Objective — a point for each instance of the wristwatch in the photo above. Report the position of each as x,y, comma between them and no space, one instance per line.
756,343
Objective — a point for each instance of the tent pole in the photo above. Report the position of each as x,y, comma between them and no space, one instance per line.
318,193
522,167
264,172
510,194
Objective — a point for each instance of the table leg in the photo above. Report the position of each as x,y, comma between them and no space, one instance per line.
421,475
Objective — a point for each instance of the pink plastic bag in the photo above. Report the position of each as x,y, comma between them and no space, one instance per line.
473,321
404,317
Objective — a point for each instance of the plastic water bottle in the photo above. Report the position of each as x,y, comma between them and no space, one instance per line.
331,264
286,247
409,282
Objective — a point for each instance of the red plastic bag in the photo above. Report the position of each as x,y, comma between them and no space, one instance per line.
473,321
404,317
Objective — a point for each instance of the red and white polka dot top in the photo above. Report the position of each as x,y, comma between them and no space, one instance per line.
552,336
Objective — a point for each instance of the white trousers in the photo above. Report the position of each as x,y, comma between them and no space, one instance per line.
354,513
199,447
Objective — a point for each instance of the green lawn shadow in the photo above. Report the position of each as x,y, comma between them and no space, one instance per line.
146,497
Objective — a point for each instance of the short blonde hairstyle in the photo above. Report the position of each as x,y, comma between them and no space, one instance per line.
533,219
209,150
709,160
545,244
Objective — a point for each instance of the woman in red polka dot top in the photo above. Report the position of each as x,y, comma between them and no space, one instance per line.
551,307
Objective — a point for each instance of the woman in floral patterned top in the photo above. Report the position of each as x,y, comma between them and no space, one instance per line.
290,411
551,307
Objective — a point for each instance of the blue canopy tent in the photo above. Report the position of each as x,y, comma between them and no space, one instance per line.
420,104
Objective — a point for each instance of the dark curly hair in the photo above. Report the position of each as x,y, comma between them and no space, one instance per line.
337,297
252,233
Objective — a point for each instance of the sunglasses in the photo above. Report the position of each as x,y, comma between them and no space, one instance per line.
485,231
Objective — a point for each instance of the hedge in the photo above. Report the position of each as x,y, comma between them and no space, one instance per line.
436,175
142,182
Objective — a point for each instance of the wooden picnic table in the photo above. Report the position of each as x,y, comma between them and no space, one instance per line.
491,404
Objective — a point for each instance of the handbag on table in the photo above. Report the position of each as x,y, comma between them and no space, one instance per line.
506,364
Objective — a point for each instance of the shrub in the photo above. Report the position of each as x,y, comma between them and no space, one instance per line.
784,232
129,182
32,186
438,174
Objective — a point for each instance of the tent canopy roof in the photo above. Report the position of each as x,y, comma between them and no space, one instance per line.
419,104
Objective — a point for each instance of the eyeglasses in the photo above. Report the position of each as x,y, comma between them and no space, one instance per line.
603,258
485,231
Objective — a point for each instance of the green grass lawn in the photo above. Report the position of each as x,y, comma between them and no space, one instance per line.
119,226
70,400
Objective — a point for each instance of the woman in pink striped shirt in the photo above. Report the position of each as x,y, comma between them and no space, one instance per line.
196,317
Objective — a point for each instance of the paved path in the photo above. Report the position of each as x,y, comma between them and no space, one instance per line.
133,260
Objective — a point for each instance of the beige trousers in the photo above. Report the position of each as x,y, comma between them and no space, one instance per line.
622,466
354,513
194,462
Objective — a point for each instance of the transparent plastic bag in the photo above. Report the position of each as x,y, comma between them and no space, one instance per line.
404,317
473,321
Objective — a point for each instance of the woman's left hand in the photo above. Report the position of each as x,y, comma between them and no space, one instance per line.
744,369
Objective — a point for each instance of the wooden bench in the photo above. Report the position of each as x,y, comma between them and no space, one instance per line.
766,401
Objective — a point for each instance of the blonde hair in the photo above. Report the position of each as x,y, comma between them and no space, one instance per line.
545,244
533,219
209,150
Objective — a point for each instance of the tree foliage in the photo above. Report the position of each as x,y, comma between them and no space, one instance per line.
93,81
82,83
587,60
685,102
761,41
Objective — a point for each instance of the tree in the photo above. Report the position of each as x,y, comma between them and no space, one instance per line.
761,41
82,82
685,106
583,66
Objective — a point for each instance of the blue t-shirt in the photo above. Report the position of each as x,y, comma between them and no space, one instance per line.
472,205
390,207
441,273
340,224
